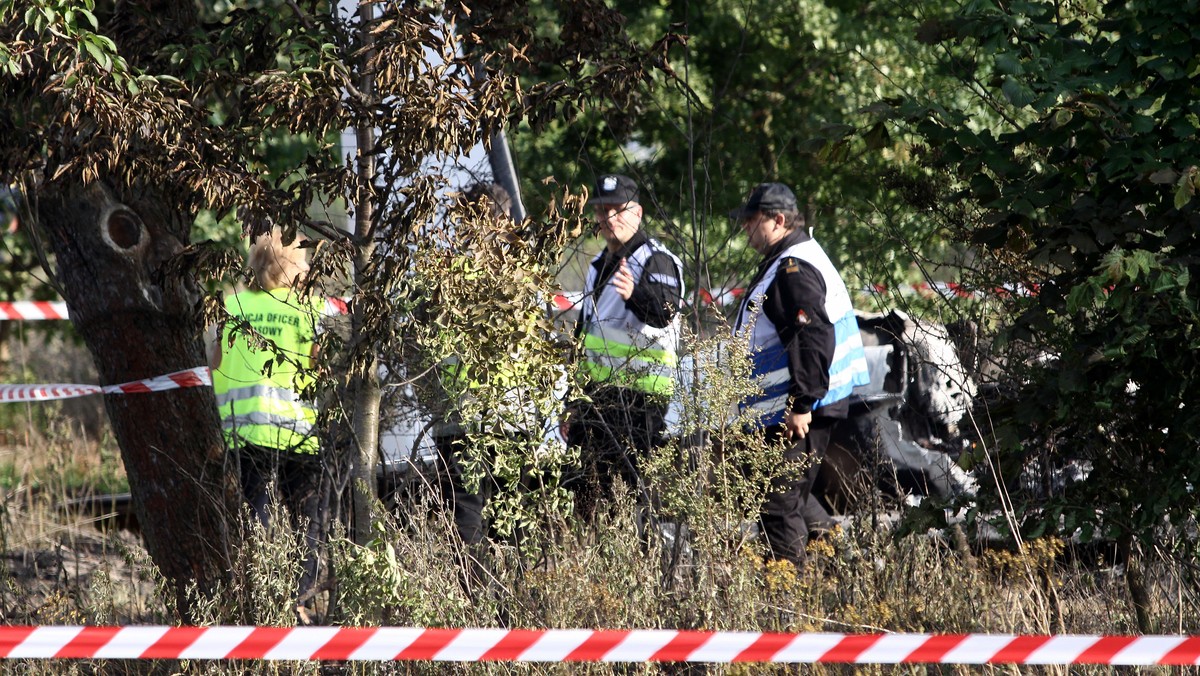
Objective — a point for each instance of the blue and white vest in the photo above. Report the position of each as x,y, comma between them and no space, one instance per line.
621,349
848,367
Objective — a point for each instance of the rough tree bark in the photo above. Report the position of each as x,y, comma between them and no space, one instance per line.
139,318
365,383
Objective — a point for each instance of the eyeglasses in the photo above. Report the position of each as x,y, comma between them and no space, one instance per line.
610,210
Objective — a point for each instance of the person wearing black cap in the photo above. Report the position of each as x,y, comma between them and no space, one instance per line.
805,348
630,328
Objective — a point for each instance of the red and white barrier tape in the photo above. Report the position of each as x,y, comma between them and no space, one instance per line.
567,300
30,310
193,377
33,310
336,306
570,300
583,645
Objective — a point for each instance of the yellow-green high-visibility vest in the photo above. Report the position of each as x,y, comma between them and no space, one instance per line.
621,349
257,392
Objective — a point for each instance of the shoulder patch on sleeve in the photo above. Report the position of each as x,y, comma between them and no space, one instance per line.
790,265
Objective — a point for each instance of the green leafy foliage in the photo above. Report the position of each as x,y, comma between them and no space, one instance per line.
492,360
231,113
1069,170
745,93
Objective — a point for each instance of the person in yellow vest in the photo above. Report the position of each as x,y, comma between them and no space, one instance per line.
261,366
629,327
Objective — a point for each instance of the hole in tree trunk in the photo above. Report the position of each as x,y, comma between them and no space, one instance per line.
124,229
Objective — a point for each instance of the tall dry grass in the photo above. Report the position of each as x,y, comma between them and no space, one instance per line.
57,567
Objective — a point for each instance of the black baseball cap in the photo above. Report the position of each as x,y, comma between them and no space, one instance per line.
614,189
766,197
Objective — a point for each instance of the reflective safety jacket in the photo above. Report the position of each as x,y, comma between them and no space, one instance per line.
620,349
516,408
257,392
848,364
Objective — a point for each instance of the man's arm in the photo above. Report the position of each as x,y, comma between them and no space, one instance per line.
795,303
659,294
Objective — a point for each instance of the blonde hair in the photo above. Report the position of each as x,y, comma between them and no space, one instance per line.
274,264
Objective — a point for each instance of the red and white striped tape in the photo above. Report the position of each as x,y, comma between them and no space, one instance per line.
570,300
336,306
193,377
567,300
26,310
584,645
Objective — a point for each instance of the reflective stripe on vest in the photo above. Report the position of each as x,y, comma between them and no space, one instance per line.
262,405
848,367
265,409
621,349
642,368
516,406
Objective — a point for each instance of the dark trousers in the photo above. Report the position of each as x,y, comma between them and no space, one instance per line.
615,432
465,505
297,479
789,511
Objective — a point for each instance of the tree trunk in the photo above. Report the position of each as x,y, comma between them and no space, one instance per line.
366,442
1138,596
365,383
139,318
